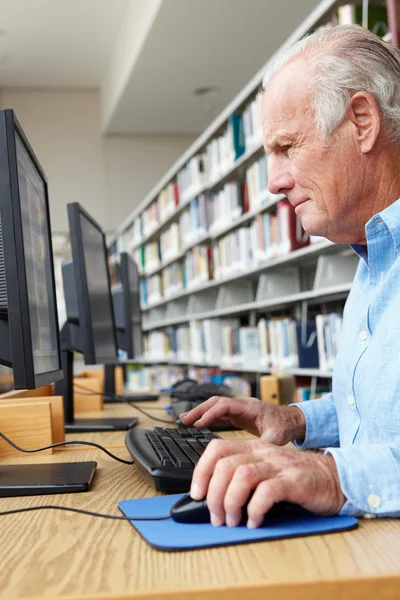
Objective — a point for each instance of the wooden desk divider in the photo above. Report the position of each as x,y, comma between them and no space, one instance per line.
99,374
31,421
85,402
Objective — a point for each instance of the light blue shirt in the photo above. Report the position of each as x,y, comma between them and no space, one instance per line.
359,422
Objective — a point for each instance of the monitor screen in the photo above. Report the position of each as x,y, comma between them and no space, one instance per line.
100,303
36,247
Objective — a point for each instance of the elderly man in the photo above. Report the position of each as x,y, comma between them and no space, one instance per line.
331,123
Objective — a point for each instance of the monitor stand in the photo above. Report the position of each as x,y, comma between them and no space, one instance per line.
109,388
72,425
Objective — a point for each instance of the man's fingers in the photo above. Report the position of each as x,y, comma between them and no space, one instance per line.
267,493
196,413
220,480
246,478
224,408
216,450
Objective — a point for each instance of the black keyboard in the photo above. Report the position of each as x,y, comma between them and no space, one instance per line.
167,457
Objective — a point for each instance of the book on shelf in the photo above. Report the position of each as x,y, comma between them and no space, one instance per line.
193,222
170,243
150,219
168,201
328,329
352,14
225,206
252,122
192,177
291,235
197,266
151,257
173,280
266,238
136,231
151,291
305,393
224,149
257,182
275,343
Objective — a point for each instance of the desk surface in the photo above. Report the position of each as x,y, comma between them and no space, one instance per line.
51,554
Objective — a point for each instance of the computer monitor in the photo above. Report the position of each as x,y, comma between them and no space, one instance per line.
128,319
127,312
29,333
90,326
29,341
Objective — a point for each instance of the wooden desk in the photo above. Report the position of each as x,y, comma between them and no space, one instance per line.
51,554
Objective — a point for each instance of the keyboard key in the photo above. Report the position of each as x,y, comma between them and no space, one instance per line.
183,432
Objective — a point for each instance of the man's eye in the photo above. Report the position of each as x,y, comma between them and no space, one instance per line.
285,149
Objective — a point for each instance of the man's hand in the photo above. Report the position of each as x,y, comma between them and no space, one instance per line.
275,424
229,470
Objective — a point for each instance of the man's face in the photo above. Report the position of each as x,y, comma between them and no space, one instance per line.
322,180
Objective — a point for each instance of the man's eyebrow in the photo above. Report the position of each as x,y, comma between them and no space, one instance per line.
277,141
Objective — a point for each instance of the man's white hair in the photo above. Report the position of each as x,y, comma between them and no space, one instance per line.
345,60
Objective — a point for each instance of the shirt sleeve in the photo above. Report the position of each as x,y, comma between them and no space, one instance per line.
369,476
322,427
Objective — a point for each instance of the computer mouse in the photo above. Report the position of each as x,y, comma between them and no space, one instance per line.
187,510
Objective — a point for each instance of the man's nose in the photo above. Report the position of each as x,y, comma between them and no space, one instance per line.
279,179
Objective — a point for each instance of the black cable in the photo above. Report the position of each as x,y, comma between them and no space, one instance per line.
132,404
149,415
82,512
116,398
71,443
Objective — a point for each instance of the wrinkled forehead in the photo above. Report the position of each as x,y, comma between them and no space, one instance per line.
287,100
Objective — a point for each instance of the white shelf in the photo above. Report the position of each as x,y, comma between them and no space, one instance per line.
321,294
244,368
287,259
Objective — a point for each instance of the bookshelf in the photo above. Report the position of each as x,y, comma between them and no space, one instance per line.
196,269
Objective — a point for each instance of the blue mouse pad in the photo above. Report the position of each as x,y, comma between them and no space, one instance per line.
169,535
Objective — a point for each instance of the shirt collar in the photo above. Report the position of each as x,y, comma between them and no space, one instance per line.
389,219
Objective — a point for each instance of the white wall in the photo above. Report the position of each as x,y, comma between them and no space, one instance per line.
108,176
133,166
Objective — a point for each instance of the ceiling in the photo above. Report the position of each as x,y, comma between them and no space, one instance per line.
189,44
200,43
57,43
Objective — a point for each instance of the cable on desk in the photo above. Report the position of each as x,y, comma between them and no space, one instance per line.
131,404
69,443
149,415
82,512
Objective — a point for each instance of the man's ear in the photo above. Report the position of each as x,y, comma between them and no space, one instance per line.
366,117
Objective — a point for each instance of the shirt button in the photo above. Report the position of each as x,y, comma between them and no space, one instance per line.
374,501
350,400
363,335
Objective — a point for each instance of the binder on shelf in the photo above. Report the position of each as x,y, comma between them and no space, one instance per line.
235,123
307,345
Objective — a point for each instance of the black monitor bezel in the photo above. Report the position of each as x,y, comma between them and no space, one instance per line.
75,210
15,265
127,292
